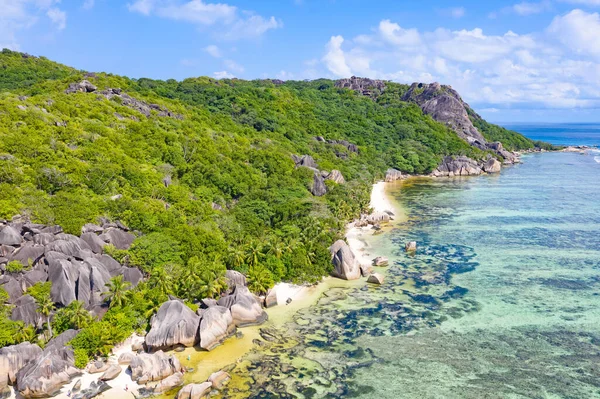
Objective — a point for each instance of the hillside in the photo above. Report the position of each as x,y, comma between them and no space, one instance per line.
202,170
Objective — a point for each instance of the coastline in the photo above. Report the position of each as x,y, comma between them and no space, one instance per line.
204,363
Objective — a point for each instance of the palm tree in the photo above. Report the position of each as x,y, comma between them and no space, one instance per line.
45,308
259,279
24,332
212,283
78,315
276,248
116,290
161,281
253,253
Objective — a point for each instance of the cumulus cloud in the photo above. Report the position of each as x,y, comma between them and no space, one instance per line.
213,50
223,75
233,23
58,17
558,67
233,66
335,59
579,31
19,15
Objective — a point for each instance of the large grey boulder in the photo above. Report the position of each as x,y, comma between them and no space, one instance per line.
43,238
83,87
13,287
110,264
393,175
195,391
378,217
174,324
345,264
245,308
132,275
95,389
10,236
54,367
306,161
13,358
111,373
216,324
492,165
97,367
28,253
94,242
318,187
169,383
69,247
147,367
457,166
233,279
25,310
375,278
218,379
63,275
380,261
118,238
336,176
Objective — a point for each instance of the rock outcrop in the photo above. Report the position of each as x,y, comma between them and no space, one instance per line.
53,368
82,87
138,105
457,166
111,373
195,391
76,266
216,324
318,187
492,165
13,358
336,176
445,105
147,367
380,261
345,264
305,161
375,278
367,87
174,324
219,379
393,175
169,383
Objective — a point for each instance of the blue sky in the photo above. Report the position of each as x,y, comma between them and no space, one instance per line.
512,61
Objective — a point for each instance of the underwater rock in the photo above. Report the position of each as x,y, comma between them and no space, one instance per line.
219,379
411,246
195,391
380,261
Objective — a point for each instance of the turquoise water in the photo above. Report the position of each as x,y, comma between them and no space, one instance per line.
501,300
561,133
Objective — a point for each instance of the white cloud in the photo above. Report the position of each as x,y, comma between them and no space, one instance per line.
58,17
335,59
213,51
234,24
223,75
526,8
558,67
233,66
579,31
17,16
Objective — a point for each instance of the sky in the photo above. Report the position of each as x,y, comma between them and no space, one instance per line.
535,61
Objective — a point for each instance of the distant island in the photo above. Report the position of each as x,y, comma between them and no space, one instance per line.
172,208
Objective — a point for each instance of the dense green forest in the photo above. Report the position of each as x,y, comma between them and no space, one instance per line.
204,175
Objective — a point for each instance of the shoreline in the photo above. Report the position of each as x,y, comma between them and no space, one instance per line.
204,363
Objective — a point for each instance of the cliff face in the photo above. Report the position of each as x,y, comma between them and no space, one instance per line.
445,105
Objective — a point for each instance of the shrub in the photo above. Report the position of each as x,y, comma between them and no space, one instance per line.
14,266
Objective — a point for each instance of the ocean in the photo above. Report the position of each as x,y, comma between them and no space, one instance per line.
501,299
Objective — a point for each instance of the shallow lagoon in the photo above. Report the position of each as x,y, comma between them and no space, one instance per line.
502,299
